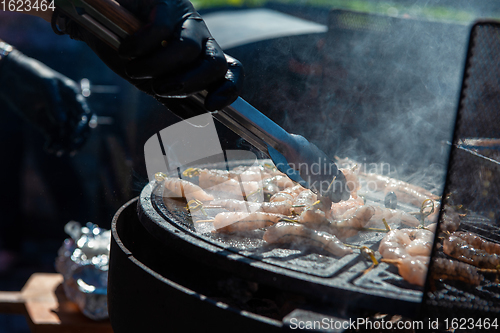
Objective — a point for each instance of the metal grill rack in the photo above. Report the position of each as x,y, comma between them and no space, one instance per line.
473,178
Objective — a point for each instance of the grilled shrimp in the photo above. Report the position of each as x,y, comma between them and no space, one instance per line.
281,181
280,196
304,200
395,215
431,227
242,221
313,218
408,194
294,190
183,189
211,177
234,187
448,269
275,184
340,208
405,192
450,220
289,194
349,227
234,205
412,269
383,182
294,233
404,243
479,243
460,248
344,228
268,169
390,215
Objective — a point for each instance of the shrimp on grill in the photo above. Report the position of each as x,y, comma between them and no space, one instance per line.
275,184
242,221
313,218
267,169
405,192
412,269
345,228
226,181
380,213
289,194
404,243
450,220
281,196
234,205
210,177
382,182
281,181
395,215
477,242
298,234
448,269
409,194
304,200
462,249
234,187
294,191
350,226
340,208
431,227
183,189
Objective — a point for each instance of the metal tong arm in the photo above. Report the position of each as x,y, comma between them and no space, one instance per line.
246,121
264,134
105,18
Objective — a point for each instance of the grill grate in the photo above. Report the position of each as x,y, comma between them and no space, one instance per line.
317,275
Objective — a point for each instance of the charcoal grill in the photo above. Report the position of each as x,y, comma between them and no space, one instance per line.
169,267
318,275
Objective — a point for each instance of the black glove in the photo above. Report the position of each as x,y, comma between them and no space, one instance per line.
46,99
173,55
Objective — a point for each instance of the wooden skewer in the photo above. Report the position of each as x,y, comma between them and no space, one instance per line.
204,221
391,261
489,270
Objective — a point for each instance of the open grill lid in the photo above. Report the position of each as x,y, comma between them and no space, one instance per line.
473,174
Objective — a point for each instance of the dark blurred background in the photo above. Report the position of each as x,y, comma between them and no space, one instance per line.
43,192
374,88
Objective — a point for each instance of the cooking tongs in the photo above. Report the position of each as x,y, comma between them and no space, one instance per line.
292,154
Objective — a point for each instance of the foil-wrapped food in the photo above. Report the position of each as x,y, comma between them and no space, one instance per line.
83,260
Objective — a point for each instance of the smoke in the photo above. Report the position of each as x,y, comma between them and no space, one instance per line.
398,98
374,88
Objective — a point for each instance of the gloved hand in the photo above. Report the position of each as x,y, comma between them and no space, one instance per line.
173,55
47,99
